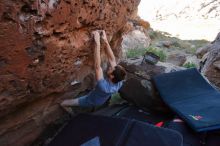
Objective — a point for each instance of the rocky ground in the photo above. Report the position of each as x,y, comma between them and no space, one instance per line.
170,49
180,55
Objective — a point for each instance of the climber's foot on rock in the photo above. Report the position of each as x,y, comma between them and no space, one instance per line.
67,109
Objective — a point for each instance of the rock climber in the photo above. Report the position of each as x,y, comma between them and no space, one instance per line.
105,87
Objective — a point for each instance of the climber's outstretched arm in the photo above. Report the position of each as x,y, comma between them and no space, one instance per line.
97,57
109,52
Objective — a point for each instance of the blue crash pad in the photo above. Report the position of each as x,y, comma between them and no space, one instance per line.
189,95
94,130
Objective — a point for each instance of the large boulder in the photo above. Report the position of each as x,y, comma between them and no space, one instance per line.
211,64
192,59
139,88
46,45
200,52
176,58
138,38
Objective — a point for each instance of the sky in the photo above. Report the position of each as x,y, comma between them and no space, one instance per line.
195,28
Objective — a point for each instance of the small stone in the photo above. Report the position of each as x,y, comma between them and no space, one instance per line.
217,64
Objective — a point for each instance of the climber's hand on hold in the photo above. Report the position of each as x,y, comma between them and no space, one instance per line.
108,50
103,35
96,37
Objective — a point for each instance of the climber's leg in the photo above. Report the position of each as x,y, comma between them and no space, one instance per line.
70,102
66,105
83,101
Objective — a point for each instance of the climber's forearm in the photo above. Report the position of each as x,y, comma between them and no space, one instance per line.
97,57
110,55
97,63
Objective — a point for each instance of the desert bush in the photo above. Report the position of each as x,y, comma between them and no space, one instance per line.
189,65
158,52
132,53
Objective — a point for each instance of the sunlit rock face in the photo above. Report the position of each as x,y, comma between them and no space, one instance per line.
138,35
211,59
46,45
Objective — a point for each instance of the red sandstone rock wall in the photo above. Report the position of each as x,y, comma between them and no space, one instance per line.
44,46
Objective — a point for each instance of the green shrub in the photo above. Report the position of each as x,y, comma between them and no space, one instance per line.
158,52
132,53
191,50
189,65
158,35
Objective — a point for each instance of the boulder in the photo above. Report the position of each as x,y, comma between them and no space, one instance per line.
211,62
46,45
193,60
166,44
142,93
136,39
139,89
177,59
